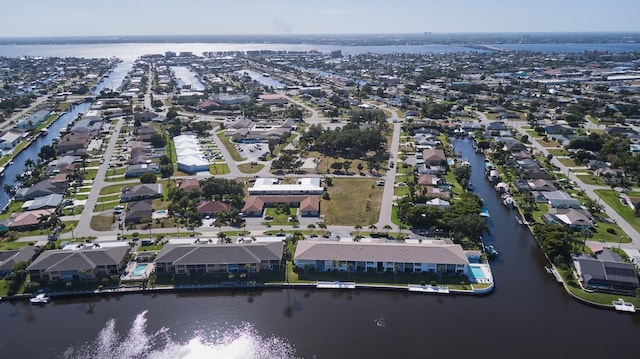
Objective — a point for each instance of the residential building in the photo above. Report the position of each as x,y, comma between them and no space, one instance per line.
142,191
197,259
139,212
48,201
608,272
561,199
8,259
82,264
438,258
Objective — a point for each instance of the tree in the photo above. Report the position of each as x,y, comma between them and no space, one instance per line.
386,228
360,167
358,228
346,165
148,178
166,171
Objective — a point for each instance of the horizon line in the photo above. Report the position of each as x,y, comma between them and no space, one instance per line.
425,33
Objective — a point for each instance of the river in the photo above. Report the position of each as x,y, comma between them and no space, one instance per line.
527,316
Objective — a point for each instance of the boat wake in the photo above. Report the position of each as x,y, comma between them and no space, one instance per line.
241,342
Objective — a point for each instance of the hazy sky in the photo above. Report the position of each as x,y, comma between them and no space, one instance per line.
215,17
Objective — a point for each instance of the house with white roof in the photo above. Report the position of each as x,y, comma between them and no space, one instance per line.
190,158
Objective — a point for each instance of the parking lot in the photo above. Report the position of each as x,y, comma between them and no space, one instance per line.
252,151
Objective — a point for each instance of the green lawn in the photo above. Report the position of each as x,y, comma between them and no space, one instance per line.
249,168
611,197
592,180
280,218
14,207
558,152
219,169
596,297
401,191
7,245
230,147
569,162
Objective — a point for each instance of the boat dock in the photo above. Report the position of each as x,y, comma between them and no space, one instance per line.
428,289
336,285
553,271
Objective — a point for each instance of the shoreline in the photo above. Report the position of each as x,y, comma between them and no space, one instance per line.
240,287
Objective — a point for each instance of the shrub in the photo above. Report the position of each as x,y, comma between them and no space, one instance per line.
611,231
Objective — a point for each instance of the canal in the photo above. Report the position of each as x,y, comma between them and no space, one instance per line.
527,316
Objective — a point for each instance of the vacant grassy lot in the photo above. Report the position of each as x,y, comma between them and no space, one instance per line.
611,197
352,201
592,180
230,147
103,222
569,162
222,168
558,152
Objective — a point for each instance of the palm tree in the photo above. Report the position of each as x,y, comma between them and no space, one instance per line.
312,227
373,228
358,228
386,228
9,190
44,219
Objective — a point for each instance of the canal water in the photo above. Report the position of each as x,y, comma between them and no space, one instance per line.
527,316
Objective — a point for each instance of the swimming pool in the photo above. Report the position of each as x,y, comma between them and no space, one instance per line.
140,269
477,272
161,212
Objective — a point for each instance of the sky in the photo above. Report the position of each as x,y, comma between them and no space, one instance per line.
36,18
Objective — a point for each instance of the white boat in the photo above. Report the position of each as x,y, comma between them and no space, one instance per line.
623,306
40,299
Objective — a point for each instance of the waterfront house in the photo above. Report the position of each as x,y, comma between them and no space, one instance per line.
79,264
32,121
434,157
607,272
28,219
573,218
142,191
48,201
436,202
440,258
41,189
542,185
10,139
535,173
560,199
194,259
73,143
139,212
8,259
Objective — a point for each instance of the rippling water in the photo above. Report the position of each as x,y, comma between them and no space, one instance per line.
241,342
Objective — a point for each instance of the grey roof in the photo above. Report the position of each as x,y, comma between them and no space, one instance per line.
143,190
61,260
381,252
52,200
220,253
8,259
608,271
551,195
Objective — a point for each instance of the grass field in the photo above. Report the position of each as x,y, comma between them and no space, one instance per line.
611,197
592,180
569,162
230,147
352,201
249,168
219,169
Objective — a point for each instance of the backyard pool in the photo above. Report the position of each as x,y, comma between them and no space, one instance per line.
140,269
477,273
161,212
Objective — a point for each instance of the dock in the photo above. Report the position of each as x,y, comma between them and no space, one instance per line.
554,272
336,285
428,289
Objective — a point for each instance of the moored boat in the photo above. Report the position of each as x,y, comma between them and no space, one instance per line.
40,299
623,306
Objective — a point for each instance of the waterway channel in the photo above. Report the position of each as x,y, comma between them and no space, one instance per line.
527,316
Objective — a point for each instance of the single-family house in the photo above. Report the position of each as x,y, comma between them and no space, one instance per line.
41,189
611,175
608,273
209,208
48,201
198,259
10,139
138,170
542,185
561,199
74,142
8,259
139,212
434,157
28,219
141,192
571,217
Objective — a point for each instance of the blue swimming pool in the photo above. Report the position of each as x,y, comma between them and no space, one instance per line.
477,272
161,212
140,268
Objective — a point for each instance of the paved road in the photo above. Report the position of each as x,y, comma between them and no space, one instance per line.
589,189
83,226
386,206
